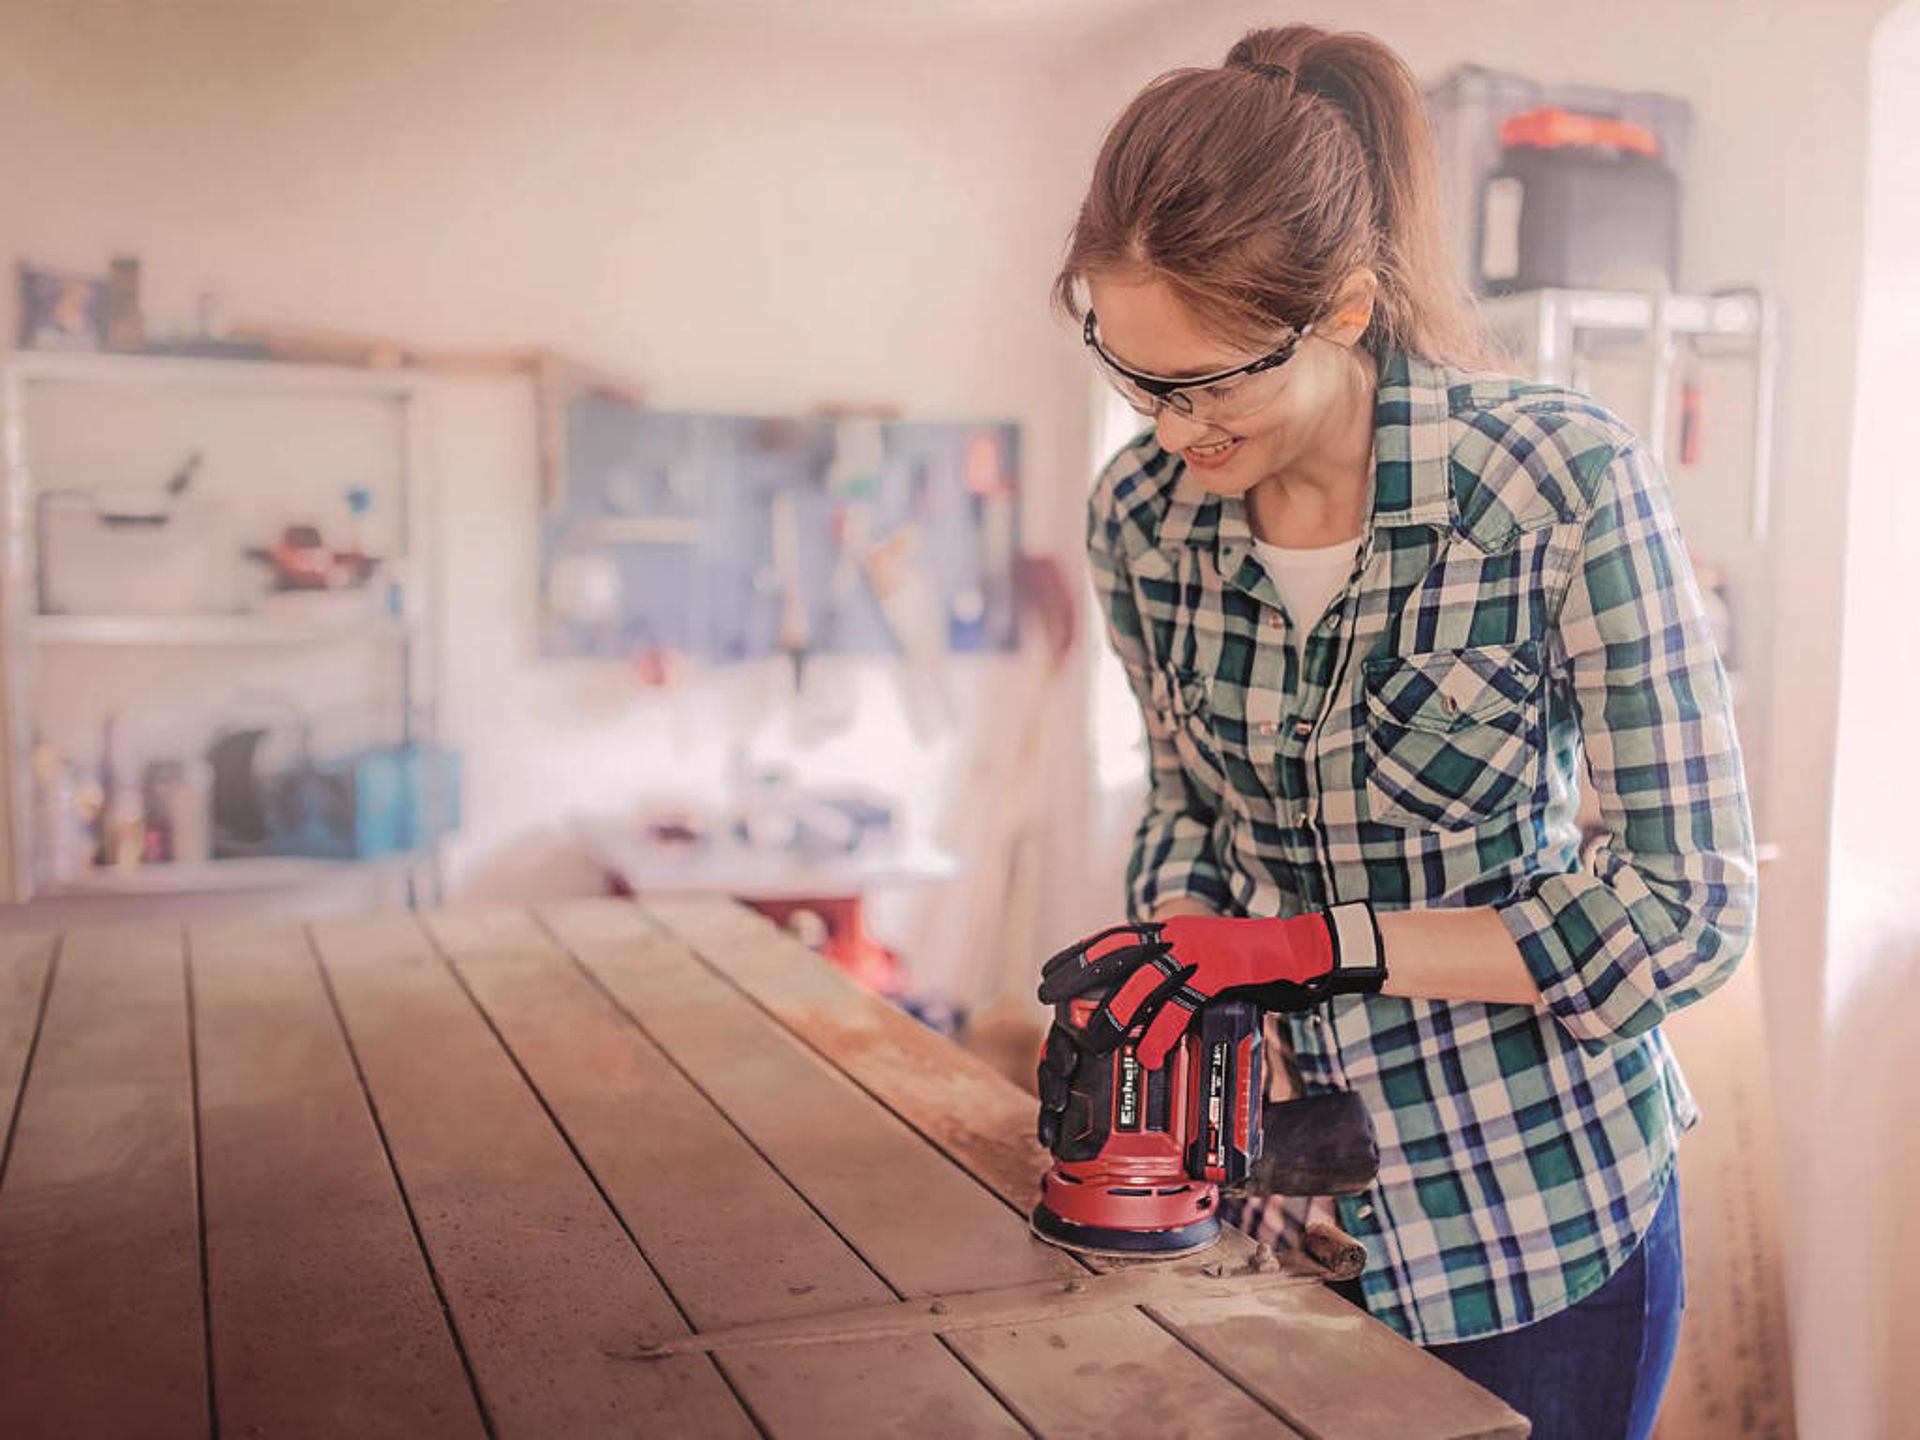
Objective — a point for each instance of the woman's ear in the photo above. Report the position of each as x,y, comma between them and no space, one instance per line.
1352,309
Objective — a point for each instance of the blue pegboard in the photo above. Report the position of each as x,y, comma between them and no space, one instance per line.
667,524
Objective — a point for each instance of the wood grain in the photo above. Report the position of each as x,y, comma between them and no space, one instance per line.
959,1103
100,1286
324,1317
1294,1350
731,1239
26,962
453,1181
961,1106
1343,1373
541,1280
927,1226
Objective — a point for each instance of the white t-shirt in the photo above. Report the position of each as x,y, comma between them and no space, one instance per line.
1308,579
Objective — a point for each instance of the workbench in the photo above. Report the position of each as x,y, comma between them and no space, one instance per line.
594,1168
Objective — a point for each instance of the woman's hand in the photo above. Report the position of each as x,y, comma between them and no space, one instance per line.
1160,974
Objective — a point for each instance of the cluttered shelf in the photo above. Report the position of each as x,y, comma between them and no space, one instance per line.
1733,313
194,372
247,547
244,629
731,867
264,872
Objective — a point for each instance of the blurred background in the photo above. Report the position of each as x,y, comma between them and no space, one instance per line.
495,451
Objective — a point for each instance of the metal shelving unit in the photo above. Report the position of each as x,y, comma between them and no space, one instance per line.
1545,328
410,640
1551,332
243,630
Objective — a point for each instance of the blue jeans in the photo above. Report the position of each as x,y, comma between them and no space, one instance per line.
1597,1370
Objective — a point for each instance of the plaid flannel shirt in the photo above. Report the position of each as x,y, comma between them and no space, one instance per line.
1520,604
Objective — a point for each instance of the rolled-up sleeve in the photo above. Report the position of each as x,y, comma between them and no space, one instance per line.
1173,852
1663,908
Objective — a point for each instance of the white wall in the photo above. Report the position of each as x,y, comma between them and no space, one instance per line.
1867,1162
738,212
736,217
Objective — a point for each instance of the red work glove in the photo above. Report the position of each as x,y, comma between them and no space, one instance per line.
1159,975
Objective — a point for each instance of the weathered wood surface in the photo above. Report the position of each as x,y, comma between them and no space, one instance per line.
328,1322
457,1175
101,1300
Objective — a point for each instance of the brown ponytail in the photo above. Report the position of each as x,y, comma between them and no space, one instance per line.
1254,189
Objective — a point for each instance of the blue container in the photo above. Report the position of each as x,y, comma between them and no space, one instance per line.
395,800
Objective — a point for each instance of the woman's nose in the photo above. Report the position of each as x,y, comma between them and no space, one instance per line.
1175,431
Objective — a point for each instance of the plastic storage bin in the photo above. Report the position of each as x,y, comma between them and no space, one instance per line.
1578,204
395,800
1469,105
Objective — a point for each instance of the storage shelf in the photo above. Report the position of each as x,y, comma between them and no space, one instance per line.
1545,328
391,405
261,630
266,872
178,372
1633,311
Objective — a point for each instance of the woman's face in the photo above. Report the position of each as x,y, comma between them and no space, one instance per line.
1303,404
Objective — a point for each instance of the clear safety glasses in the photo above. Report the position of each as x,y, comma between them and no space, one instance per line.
1220,397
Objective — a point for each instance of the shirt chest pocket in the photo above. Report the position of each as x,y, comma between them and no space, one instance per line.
1453,736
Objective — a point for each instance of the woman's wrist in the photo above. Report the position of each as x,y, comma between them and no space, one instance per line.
1180,905
1465,955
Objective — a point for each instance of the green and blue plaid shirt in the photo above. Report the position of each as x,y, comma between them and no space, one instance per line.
1521,608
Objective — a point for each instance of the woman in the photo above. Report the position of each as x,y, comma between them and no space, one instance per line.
1382,609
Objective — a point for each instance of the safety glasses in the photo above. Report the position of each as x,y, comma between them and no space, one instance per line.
1224,395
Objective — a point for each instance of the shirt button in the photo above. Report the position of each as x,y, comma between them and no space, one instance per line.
1266,727
1365,1212
1303,817
1274,622
1302,729
1450,705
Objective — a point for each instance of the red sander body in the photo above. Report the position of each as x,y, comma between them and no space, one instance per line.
1143,1154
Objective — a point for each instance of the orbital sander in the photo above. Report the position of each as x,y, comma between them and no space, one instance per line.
1142,1156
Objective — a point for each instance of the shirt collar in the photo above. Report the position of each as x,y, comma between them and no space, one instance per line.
1412,443
1412,484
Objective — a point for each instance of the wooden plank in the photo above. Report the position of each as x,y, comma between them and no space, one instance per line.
482,929
955,1099
100,1288
962,1106
1344,1374
323,1313
1294,1350
540,1279
730,1238
927,1226
26,965
1136,1285
855,1162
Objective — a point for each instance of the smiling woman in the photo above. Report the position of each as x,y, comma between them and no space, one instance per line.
1240,210
1387,613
